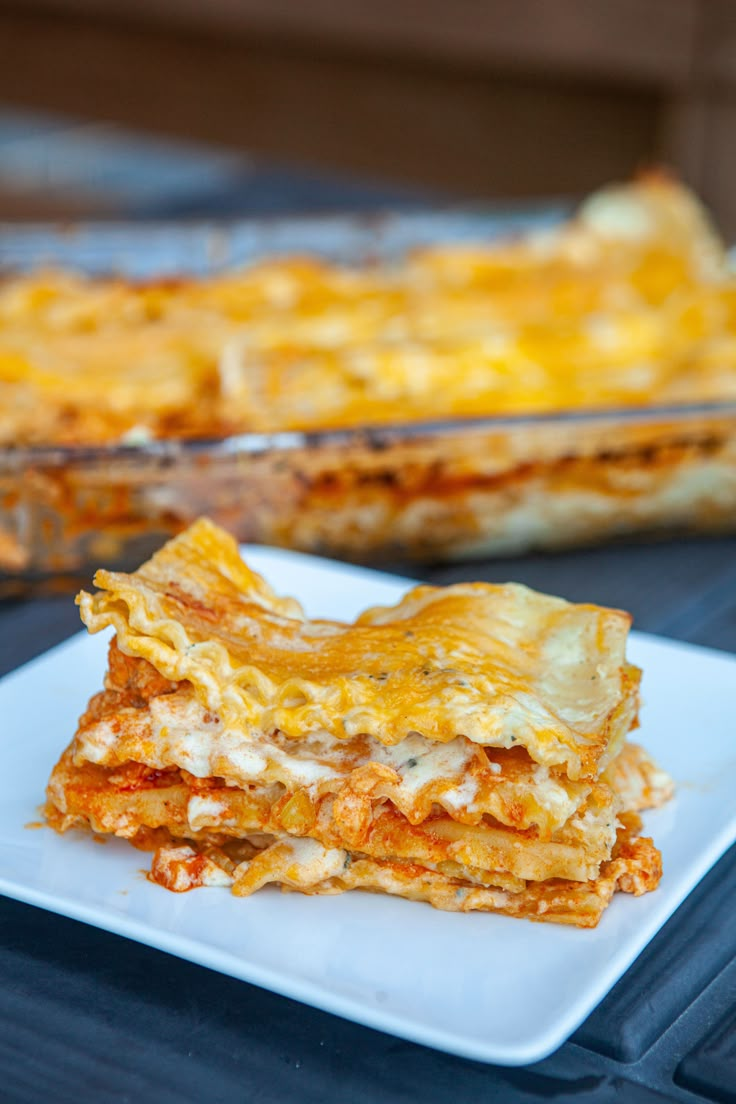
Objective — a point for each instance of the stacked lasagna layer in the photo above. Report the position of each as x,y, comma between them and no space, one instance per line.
465,747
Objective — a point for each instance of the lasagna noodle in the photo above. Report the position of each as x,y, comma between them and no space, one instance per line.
635,867
306,866
501,665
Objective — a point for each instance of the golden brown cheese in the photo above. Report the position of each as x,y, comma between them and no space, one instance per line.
629,302
500,665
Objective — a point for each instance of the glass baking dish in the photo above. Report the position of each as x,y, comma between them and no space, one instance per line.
434,491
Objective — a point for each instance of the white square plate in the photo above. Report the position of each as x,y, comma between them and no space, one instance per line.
485,987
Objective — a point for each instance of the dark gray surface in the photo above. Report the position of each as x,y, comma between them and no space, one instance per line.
86,1016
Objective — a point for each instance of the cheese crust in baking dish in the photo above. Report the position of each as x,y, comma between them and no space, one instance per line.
628,303
466,747
464,400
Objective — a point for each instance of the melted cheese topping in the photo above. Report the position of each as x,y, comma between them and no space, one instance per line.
627,303
500,665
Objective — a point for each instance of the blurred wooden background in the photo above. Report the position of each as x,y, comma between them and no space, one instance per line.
470,98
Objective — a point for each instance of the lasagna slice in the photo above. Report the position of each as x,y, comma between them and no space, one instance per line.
466,747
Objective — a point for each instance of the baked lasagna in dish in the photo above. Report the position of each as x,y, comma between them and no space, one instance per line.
551,389
466,747
628,303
